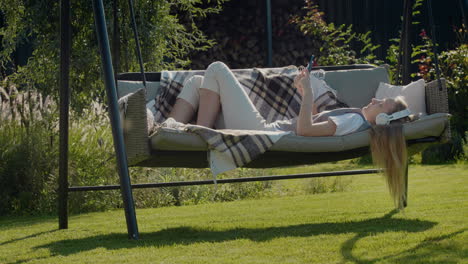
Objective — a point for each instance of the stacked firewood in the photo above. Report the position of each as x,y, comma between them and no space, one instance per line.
241,36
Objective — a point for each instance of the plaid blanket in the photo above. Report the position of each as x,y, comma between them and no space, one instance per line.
229,148
271,91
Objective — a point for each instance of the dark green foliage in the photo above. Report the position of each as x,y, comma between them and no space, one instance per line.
444,153
28,163
29,169
335,45
453,67
193,194
29,145
166,31
337,49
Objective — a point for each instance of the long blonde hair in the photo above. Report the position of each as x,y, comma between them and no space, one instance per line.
388,148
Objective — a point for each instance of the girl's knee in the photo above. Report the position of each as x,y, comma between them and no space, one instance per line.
217,66
190,91
194,81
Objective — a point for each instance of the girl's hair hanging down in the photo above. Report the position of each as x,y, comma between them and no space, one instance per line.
388,148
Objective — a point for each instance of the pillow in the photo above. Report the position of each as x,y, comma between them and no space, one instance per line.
414,94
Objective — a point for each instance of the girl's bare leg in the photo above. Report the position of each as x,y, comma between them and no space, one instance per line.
209,108
182,111
187,101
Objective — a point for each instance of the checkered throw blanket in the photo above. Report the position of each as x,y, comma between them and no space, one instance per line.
229,148
271,91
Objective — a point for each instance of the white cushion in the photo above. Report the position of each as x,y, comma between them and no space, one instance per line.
414,94
428,126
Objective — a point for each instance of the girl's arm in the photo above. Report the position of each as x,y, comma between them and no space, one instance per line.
305,125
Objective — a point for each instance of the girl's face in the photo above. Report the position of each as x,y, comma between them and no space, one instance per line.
376,107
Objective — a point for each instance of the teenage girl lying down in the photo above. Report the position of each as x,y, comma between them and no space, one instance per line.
219,90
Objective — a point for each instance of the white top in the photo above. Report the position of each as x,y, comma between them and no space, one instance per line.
347,123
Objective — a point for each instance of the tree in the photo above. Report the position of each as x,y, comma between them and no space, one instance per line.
166,28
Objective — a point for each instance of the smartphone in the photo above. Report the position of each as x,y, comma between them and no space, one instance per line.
311,63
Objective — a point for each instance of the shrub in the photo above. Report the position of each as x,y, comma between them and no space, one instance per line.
331,184
335,45
29,163
187,195
167,35
92,159
454,68
444,153
28,151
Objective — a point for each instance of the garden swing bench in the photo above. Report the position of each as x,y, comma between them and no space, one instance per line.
167,149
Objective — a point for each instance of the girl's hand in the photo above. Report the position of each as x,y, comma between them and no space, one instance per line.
298,85
302,82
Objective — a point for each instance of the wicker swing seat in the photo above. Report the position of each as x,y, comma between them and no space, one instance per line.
357,84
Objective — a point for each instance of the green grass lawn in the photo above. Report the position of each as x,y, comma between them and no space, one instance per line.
358,225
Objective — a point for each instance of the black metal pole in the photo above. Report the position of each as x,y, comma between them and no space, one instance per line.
137,42
116,38
434,43
406,41
65,47
223,181
117,134
462,8
269,34
405,201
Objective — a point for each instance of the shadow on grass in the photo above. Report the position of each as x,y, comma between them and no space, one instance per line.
189,235
7,222
27,237
431,250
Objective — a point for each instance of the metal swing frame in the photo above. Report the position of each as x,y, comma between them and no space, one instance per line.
110,84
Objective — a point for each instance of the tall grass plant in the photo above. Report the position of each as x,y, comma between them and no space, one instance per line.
29,163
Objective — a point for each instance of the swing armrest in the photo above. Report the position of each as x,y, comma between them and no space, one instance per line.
437,102
134,119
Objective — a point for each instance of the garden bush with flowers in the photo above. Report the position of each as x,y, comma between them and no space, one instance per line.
453,66
340,45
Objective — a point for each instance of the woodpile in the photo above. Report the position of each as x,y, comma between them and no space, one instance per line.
240,33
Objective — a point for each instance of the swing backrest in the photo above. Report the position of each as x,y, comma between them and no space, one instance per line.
356,87
356,84
125,87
